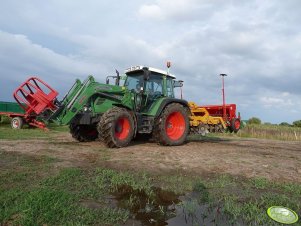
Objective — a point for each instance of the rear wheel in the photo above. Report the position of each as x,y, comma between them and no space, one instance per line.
17,123
172,126
235,125
83,133
116,127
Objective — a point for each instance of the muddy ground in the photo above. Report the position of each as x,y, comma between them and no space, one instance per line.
274,160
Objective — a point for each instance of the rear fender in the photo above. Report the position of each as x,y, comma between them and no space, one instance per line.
168,101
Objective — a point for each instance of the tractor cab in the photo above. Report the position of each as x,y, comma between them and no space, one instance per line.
149,84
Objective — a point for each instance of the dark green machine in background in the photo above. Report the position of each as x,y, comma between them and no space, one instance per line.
143,104
11,107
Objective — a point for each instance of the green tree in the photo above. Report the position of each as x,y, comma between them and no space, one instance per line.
254,120
297,123
284,124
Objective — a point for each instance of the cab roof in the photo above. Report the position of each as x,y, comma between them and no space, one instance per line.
140,68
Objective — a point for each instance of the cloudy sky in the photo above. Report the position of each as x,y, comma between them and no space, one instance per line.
256,42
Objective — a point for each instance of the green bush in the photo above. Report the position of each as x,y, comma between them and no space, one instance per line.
4,120
297,123
254,120
284,124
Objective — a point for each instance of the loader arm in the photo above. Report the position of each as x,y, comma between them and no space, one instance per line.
87,98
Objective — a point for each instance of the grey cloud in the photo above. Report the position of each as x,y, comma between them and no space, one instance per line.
20,58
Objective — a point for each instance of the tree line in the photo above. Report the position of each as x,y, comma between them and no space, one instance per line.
257,121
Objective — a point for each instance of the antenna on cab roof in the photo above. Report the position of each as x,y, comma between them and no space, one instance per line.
168,64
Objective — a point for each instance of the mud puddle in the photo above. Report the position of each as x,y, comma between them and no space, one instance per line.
152,207
158,207
190,211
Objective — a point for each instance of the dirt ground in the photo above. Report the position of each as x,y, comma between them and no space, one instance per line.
274,160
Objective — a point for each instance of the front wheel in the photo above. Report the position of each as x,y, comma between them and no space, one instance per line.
172,126
116,127
83,133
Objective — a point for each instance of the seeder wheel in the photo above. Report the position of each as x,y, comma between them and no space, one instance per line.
235,125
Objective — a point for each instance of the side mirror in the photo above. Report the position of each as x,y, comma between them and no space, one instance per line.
117,78
178,83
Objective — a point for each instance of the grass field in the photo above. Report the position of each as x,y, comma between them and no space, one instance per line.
271,132
275,132
33,192
29,132
38,190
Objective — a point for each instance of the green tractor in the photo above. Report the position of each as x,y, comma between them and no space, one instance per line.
144,104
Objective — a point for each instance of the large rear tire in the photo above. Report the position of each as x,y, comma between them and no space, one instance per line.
172,126
116,127
17,123
83,133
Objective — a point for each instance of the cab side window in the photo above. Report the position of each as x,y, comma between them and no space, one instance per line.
169,87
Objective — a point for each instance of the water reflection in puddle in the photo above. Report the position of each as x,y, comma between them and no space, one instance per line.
159,207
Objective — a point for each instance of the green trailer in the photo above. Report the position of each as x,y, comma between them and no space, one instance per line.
10,107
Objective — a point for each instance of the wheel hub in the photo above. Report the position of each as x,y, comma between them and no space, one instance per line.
175,125
118,128
15,124
122,128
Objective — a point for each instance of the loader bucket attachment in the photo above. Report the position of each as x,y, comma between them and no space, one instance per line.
35,96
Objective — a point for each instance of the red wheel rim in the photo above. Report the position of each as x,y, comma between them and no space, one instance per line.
175,126
237,124
122,128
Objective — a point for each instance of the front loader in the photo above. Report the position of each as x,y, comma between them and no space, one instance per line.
144,104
